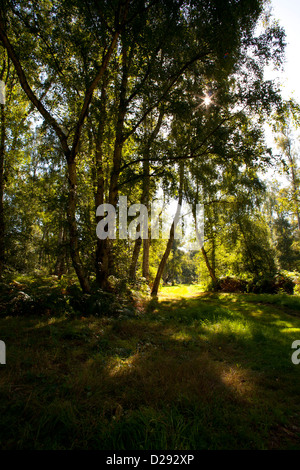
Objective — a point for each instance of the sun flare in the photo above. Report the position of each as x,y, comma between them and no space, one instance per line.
207,100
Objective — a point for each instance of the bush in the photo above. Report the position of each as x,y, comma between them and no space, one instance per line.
22,304
267,284
231,284
295,277
99,303
271,284
38,299
297,287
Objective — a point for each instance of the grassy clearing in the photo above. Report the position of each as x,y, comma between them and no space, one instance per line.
194,371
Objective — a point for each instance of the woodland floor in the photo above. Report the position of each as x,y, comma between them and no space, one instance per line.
189,371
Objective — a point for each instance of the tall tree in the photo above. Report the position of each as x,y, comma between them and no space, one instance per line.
70,150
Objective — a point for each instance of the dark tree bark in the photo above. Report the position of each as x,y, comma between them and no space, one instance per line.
72,224
213,255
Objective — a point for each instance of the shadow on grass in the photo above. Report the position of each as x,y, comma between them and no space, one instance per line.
204,373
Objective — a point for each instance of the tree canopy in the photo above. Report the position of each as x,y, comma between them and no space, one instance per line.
139,98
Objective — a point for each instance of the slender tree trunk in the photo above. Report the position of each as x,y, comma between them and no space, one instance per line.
145,201
134,258
210,266
139,242
60,265
213,255
2,156
146,256
99,179
73,231
105,254
166,254
119,140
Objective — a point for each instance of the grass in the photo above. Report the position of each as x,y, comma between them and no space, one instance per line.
193,371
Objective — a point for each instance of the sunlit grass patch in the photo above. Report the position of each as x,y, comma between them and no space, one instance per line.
177,291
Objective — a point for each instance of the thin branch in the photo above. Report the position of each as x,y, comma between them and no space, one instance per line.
181,157
89,94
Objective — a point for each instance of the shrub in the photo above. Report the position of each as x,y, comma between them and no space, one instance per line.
99,303
264,284
231,284
36,300
271,284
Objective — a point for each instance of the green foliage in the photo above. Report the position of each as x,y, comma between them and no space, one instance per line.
181,267
287,253
264,284
99,303
47,296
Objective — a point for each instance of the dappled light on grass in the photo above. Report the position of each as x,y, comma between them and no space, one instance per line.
50,321
290,330
181,336
241,382
119,366
175,292
165,377
240,329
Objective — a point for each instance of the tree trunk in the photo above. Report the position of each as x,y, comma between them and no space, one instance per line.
146,256
295,188
139,242
145,200
135,257
60,265
2,156
99,183
73,232
105,251
70,153
209,266
213,255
